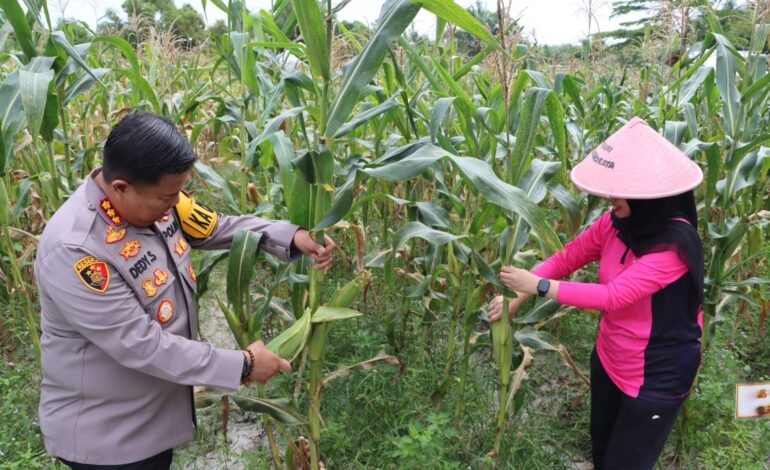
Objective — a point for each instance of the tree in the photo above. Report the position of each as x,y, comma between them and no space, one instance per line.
188,24
161,11
671,18
185,23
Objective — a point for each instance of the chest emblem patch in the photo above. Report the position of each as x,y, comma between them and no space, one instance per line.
180,246
149,287
165,311
161,277
112,214
114,236
130,248
192,272
93,273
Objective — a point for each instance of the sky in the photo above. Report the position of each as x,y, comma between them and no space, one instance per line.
547,21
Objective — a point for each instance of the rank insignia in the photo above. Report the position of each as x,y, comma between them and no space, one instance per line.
130,248
94,273
165,311
114,236
149,287
180,246
112,214
192,272
161,277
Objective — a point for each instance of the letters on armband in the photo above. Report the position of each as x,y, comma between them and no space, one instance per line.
198,221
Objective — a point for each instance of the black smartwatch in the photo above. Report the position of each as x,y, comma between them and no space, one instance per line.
542,287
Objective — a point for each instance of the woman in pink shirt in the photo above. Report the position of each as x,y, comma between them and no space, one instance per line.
649,290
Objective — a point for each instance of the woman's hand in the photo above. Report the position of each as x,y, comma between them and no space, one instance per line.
519,280
495,307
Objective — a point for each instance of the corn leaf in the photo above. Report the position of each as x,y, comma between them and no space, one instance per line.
279,410
240,268
326,314
311,25
395,16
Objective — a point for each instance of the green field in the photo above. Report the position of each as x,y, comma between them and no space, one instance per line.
432,161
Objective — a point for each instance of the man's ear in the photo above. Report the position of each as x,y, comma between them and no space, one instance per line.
119,186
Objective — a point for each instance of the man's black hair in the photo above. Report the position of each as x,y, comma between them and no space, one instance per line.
143,147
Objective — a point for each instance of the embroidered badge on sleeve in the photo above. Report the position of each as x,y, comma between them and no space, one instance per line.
130,248
180,246
114,236
93,273
165,311
161,277
149,287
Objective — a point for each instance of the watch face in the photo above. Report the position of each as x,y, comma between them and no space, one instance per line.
542,287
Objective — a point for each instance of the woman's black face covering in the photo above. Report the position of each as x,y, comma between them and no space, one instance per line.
652,228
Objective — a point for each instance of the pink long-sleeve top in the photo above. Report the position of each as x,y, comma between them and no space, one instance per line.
648,338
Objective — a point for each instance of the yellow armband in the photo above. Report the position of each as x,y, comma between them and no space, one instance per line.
198,221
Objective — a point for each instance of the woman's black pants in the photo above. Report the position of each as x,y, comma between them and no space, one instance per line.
626,433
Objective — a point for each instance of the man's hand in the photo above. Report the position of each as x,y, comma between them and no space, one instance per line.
266,363
321,254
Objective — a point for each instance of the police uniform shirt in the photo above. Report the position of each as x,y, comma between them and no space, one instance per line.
118,321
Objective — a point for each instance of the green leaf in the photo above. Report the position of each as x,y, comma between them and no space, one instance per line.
326,314
395,16
213,178
284,154
61,40
420,230
537,339
34,93
271,127
527,130
451,12
438,115
691,85
21,27
541,311
290,343
368,115
241,265
279,410
726,68
82,84
311,25
481,178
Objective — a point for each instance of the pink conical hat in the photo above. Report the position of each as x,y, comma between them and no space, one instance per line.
636,163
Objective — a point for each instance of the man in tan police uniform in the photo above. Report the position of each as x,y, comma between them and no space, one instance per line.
117,293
